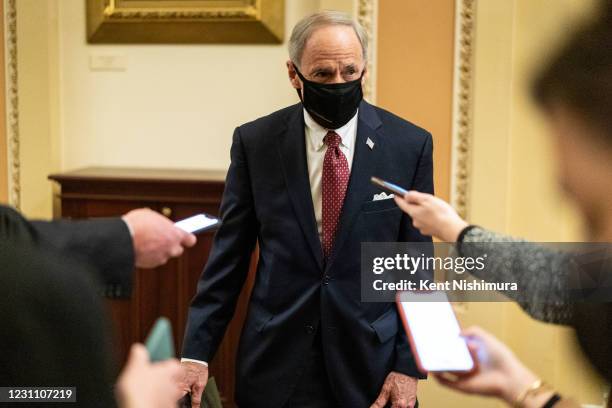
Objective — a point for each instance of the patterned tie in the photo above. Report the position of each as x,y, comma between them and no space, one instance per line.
334,184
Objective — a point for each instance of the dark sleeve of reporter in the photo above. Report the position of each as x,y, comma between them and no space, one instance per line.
105,244
50,313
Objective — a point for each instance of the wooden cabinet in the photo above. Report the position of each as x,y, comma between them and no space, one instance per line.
164,291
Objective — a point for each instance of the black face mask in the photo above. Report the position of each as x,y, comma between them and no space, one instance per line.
331,105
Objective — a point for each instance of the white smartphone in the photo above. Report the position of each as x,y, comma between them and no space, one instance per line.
198,223
434,332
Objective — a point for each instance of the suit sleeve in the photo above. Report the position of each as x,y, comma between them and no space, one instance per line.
423,182
226,270
105,244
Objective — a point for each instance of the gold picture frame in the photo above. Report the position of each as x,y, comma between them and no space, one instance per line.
185,21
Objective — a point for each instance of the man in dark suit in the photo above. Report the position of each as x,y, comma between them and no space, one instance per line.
113,246
299,186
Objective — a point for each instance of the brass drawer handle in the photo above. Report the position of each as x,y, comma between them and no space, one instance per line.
167,211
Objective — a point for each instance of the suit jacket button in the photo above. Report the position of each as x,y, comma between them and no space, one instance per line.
326,280
309,329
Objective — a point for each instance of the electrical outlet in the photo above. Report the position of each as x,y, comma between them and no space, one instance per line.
107,62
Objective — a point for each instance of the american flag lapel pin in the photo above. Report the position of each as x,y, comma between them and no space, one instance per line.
370,143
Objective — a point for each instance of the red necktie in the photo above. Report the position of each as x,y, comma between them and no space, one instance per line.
334,184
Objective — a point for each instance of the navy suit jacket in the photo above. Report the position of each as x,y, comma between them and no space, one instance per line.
267,200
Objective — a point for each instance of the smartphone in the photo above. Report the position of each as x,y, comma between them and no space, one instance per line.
388,187
434,332
198,223
160,342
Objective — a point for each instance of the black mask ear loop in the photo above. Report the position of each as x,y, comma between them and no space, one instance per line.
299,74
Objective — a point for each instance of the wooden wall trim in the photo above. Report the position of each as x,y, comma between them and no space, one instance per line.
367,17
462,105
11,101
3,134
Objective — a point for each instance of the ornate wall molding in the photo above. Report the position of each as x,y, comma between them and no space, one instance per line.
248,9
367,15
12,102
465,15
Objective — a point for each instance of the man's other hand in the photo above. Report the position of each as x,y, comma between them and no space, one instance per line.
156,239
195,377
398,389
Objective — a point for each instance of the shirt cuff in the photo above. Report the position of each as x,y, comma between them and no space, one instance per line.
129,227
190,360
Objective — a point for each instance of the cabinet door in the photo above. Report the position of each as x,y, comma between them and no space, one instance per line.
123,312
168,290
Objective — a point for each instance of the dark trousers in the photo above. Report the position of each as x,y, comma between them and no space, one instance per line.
313,389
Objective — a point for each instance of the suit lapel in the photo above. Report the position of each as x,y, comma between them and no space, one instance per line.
292,149
365,164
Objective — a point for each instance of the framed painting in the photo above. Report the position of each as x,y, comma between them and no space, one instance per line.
185,21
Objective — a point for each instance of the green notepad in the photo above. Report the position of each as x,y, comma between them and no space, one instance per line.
160,343
211,397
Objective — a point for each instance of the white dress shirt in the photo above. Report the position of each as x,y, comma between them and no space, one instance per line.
315,153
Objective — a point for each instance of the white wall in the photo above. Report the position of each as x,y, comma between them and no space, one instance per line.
173,106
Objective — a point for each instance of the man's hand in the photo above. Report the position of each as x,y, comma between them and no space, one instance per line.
398,389
156,239
147,385
195,377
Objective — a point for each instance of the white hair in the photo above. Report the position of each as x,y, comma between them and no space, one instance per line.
306,26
